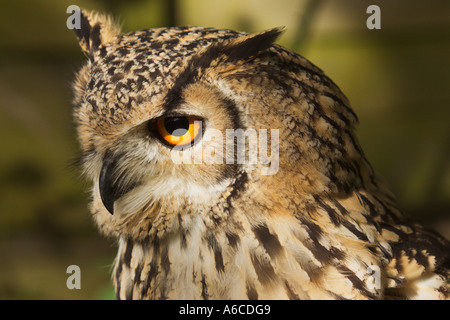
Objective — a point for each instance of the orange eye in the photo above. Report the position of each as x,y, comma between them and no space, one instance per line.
178,131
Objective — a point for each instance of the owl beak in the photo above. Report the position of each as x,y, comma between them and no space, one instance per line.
112,186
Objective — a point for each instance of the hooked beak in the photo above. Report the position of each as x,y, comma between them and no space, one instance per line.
111,185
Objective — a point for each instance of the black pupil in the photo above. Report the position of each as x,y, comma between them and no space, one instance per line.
177,126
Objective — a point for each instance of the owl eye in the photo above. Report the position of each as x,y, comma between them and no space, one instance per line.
178,131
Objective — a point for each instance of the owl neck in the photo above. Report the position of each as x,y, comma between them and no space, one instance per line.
277,257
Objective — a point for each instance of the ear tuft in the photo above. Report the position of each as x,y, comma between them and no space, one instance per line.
251,45
95,30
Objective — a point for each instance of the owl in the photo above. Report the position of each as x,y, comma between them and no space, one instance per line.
227,167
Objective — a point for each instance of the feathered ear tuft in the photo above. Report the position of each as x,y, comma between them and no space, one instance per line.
252,44
95,30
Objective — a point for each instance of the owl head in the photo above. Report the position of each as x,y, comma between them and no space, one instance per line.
177,121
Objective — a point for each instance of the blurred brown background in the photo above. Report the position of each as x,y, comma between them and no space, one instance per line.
397,79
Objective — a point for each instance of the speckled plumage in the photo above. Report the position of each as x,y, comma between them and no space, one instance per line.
323,227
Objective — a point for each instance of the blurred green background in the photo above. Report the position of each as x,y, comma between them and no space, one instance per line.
397,79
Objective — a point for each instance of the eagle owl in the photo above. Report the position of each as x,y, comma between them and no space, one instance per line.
308,218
